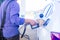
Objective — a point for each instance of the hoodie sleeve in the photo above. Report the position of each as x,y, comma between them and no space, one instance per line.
14,14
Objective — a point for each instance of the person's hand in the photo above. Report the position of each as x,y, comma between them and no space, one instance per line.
40,21
30,21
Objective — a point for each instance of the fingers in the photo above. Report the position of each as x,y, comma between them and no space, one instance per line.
33,22
40,21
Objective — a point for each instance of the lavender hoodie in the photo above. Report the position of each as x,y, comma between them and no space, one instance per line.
12,18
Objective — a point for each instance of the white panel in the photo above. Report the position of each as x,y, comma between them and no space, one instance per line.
33,5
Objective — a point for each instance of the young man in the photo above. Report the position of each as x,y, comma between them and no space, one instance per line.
12,21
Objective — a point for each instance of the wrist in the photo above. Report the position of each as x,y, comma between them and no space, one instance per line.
27,21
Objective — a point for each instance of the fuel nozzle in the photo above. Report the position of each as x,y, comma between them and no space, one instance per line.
46,19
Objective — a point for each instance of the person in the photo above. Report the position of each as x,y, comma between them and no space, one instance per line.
12,21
